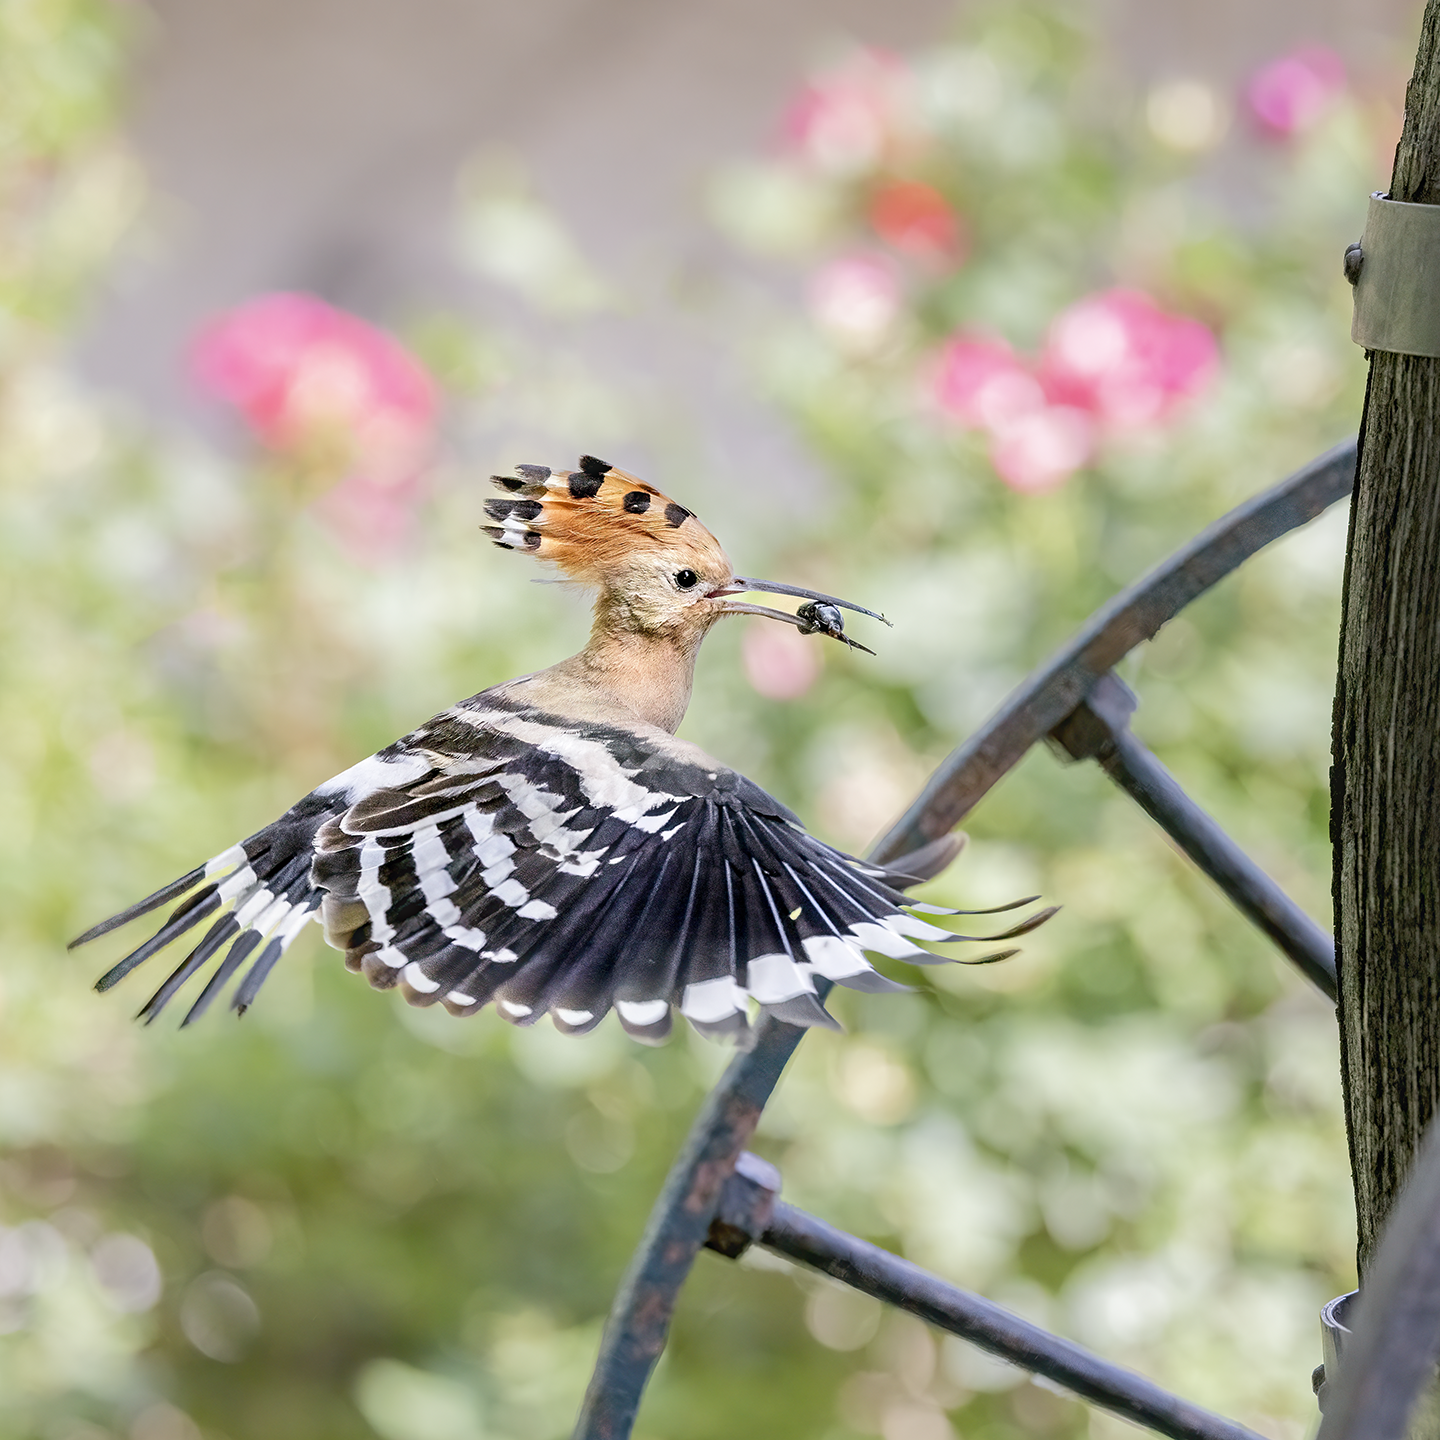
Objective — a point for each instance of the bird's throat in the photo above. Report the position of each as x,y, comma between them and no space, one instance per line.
650,676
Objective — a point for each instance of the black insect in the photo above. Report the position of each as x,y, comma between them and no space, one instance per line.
818,618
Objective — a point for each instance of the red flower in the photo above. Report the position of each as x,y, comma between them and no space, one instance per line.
1290,94
916,218
1112,362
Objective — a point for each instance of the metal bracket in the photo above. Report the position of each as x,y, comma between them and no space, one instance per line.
1099,729
1089,731
747,1205
1396,274
1335,1333
1393,1324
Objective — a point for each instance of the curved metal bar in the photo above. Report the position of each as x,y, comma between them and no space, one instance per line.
1389,1358
639,1319
887,1277
750,1213
1134,615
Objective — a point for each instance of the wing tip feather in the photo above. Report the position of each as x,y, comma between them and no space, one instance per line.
185,882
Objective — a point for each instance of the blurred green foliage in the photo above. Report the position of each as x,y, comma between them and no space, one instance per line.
345,1218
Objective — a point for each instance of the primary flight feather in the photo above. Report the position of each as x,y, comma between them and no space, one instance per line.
549,845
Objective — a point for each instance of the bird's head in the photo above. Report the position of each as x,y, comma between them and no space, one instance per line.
659,571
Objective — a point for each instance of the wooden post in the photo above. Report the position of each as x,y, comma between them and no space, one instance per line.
1385,783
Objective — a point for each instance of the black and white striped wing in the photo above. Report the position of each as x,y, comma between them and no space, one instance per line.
261,896
581,868
499,854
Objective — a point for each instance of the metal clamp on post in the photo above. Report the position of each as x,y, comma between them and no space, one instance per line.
1395,269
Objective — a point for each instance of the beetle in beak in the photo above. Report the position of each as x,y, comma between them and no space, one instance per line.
820,615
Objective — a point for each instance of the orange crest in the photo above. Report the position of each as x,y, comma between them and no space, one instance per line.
595,519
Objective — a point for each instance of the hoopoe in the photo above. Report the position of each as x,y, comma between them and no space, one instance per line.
549,844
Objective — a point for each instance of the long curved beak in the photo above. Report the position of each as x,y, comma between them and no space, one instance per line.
820,615
740,585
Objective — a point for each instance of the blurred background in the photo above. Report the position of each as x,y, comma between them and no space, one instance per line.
972,315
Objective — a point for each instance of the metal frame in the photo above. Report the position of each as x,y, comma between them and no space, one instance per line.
1064,701
749,1214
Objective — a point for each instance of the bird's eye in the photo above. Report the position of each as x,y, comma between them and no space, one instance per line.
686,579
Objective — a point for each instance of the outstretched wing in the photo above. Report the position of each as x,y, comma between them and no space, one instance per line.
260,892
552,866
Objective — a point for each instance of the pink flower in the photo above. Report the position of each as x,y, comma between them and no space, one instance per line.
1043,449
982,383
1034,445
780,663
856,299
315,382
372,521
851,116
1112,362
917,219
1290,94
303,373
1119,356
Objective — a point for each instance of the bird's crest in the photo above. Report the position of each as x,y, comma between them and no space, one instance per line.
591,519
